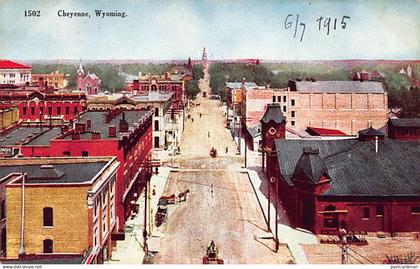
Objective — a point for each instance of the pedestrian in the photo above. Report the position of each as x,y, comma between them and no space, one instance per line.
227,149
208,134
200,115
192,119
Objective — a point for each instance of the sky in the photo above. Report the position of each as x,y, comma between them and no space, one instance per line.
229,29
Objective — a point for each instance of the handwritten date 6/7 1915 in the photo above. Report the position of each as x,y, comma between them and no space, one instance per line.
327,23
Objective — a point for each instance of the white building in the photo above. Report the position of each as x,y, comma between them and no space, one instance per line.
14,73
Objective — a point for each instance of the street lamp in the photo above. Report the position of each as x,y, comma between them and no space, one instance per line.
272,180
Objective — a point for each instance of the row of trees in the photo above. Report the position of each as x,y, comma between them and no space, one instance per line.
192,86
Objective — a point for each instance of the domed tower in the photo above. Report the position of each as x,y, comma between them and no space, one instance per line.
80,75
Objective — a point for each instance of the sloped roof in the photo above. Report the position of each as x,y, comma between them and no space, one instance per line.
406,122
6,64
371,132
273,113
354,167
255,130
338,86
310,164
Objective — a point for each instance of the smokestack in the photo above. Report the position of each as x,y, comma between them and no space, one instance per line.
376,144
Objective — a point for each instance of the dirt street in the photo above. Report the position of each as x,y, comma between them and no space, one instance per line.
221,205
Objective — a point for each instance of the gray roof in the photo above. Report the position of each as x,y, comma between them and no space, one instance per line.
371,132
255,130
407,122
63,173
18,136
354,167
98,122
45,137
238,85
337,86
273,113
311,165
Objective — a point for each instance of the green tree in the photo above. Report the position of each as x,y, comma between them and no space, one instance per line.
192,89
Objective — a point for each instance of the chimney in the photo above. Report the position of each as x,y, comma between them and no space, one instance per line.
112,131
96,135
376,144
75,135
123,124
80,127
88,124
136,85
41,83
64,129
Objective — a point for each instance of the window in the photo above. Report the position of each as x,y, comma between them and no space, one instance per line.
284,108
58,110
48,217
48,246
284,99
293,103
279,99
156,125
41,110
415,210
293,123
66,153
156,111
366,212
274,99
293,114
3,212
85,153
67,110
24,110
49,110
380,210
76,110
32,110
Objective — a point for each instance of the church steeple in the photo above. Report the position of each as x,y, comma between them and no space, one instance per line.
80,69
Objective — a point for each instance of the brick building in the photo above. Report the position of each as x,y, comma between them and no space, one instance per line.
347,106
253,104
77,219
55,80
90,83
13,73
35,105
234,92
124,134
363,184
167,82
167,122
8,117
404,129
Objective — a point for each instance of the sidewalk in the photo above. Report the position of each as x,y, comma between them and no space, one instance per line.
287,235
130,250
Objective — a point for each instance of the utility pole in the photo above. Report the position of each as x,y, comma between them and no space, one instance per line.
239,135
277,223
245,152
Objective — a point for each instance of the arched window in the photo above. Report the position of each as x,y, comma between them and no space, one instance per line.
48,217
154,88
48,246
156,125
157,112
24,110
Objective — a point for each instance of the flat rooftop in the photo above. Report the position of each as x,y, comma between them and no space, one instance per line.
35,136
98,123
54,170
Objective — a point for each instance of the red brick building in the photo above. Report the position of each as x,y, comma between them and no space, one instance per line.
124,134
163,83
404,129
90,83
360,184
12,73
35,105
